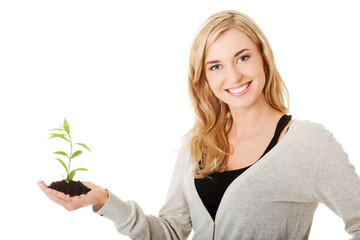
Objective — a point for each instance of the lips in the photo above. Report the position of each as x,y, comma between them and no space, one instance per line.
240,90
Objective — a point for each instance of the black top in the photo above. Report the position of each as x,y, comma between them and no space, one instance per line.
211,190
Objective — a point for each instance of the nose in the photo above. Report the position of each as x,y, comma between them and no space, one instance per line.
234,74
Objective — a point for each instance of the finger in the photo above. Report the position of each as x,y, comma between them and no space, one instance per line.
45,188
53,194
69,203
53,197
42,185
65,201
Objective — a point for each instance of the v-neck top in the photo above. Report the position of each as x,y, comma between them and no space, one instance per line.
274,199
212,189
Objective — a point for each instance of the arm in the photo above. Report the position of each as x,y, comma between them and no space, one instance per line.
336,184
173,221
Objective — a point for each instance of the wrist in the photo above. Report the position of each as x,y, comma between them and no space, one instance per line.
103,197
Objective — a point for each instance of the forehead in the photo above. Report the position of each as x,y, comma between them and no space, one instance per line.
230,42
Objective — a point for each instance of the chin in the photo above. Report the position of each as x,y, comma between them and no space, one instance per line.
247,103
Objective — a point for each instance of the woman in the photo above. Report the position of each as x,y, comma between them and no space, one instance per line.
248,171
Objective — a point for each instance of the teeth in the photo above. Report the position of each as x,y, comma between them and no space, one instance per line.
240,89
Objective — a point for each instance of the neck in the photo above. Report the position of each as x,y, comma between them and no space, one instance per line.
252,120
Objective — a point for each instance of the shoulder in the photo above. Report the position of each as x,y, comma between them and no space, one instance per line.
310,130
309,141
308,136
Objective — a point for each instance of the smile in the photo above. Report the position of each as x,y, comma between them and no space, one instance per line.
238,91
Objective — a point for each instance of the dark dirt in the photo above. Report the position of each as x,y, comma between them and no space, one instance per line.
73,188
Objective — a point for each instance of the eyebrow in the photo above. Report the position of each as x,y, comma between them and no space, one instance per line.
235,55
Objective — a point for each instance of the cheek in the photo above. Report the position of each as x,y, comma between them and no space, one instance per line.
212,82
211,86
262,78
214,87
258,72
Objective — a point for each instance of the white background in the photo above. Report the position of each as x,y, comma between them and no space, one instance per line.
118,72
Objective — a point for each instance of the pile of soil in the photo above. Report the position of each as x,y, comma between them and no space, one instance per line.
73,188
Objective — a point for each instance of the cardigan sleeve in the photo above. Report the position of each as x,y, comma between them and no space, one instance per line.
173,221
337,185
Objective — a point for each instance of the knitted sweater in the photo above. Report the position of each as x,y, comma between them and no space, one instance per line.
274,199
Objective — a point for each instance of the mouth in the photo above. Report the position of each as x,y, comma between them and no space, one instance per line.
240,90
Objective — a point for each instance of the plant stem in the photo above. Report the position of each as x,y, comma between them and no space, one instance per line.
68,170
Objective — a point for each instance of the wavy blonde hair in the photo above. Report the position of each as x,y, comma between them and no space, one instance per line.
207,141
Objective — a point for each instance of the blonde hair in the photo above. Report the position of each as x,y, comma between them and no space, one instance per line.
207,142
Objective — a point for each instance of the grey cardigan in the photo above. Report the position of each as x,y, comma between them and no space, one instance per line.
274,199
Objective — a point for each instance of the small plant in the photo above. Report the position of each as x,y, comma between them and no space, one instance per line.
66,136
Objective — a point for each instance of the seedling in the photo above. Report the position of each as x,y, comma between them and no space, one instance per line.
66,136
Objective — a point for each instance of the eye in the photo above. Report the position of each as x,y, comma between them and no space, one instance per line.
243,59
215,67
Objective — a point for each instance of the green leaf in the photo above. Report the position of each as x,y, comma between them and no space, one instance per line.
79,169
66,180
57,129
54,135
61,153
77,153
72,173
65,138
62,163
83,145
66,126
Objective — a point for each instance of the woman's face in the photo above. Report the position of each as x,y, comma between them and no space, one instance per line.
234,70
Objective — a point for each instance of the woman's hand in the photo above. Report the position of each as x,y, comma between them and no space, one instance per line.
97,197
